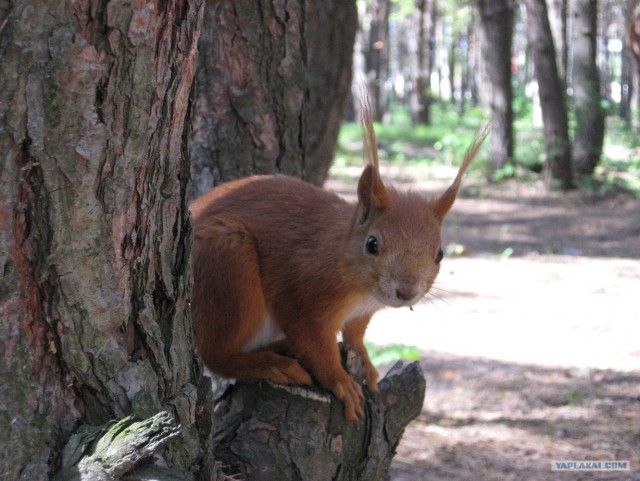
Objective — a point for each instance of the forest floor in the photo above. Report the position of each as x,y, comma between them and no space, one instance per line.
530,342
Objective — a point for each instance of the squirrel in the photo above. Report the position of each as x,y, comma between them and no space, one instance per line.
282,266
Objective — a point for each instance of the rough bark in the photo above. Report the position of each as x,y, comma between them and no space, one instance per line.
589,112
331,32
95,233
284,433
496,26
552,99
110,453
251,84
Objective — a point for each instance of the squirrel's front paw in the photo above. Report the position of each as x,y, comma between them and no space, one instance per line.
370,375
350,393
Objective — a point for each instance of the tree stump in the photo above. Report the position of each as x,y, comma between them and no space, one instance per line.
264,431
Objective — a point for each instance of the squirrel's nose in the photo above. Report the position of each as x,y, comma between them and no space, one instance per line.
406,291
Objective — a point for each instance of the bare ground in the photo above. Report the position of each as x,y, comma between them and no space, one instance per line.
531,340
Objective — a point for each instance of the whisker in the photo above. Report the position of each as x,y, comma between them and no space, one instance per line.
442,298
440,289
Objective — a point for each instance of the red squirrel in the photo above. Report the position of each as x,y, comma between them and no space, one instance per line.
284,266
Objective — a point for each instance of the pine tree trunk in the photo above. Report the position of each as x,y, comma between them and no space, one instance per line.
590,119
96,235
331,33
496,21
250,92
552,98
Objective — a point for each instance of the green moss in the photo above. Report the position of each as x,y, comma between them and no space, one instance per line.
51,98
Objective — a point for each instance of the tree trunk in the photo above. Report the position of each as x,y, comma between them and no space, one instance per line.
590,120
96,235
285,433
331,32
552,98
475,62
558,21
376,58
633,42
496,21
251,84
626,82
425,51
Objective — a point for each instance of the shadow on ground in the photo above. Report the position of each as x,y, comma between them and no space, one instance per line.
567,297
489,420
524,220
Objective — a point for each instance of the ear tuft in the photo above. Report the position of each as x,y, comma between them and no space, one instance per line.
445,201
372,194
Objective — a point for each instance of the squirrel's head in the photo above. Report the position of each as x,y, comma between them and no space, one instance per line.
396,236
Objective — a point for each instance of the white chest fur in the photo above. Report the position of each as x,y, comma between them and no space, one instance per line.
268,333
364,307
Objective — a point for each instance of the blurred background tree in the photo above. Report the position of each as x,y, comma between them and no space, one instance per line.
557,79
462,55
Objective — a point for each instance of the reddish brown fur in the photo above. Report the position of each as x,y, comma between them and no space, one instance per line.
276,247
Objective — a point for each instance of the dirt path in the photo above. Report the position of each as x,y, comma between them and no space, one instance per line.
532,345
494,421
527,360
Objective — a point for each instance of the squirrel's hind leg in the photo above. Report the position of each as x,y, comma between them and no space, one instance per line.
228,305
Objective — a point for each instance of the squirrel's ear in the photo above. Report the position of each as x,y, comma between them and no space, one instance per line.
372,194
443,203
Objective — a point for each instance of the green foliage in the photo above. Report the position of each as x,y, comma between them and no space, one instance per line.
381,355
572,396
508,252
522,105
619,167
444,141
449,135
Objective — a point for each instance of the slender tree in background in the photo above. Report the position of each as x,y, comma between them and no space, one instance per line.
377,55
331,31
633,31
552,95
421,93
626,82
589,112
251,84
475,61
633,43
496,22
467,94
95,238
558,16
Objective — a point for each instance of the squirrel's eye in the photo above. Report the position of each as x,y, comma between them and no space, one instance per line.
439,256
372,245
